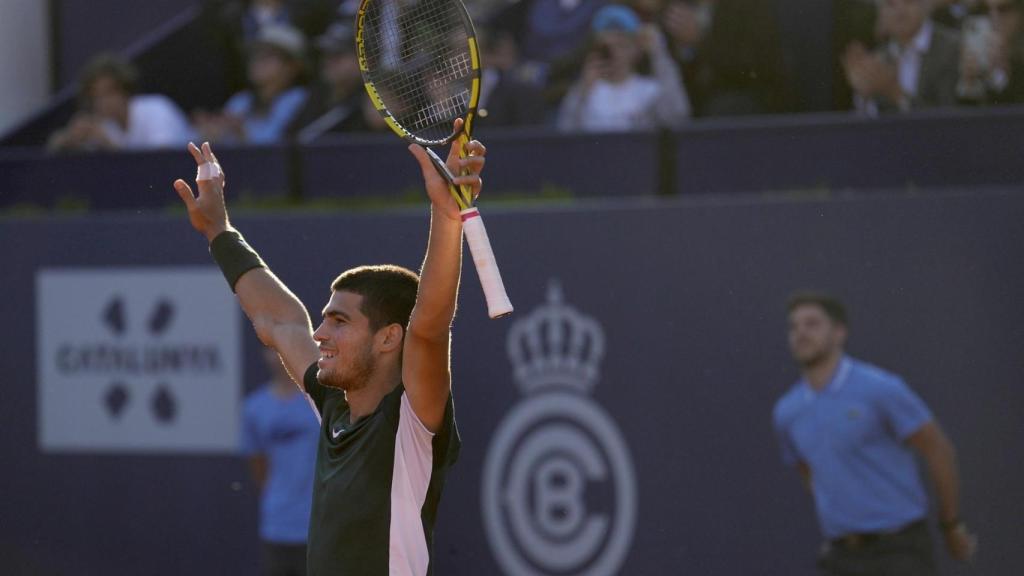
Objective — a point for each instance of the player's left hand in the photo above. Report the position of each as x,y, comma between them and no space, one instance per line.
467,171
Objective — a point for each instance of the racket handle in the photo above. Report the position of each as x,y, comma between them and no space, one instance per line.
498,304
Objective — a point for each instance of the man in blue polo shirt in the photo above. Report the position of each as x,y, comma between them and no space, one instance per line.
279,435
849,428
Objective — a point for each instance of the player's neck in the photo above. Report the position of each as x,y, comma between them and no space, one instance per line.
819,374
364,401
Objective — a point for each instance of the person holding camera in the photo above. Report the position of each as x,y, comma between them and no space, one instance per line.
611,95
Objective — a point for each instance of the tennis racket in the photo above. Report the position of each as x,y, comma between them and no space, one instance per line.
421,68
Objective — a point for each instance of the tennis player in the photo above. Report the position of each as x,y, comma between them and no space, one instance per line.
376,370
851,430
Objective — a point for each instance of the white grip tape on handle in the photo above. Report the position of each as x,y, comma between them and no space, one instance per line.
208,171
498,303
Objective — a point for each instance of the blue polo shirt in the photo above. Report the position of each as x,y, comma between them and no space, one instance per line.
270,126
286,431
852,435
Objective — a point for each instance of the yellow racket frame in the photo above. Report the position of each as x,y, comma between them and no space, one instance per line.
463,195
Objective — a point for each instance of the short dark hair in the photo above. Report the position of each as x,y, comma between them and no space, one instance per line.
111,66
832,306
388,291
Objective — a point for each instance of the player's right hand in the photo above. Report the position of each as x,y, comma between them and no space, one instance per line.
207,212
961,544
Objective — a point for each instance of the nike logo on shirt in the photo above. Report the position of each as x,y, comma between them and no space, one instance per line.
336,433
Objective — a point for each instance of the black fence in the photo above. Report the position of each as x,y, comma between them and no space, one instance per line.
814,154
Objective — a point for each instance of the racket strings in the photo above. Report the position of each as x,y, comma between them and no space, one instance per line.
418,60
451,69
440,112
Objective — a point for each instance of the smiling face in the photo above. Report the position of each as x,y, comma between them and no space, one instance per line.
345,340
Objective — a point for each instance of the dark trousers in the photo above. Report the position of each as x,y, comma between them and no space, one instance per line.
284,559
904,553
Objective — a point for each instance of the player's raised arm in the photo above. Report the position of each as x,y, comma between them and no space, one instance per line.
425,360
280,319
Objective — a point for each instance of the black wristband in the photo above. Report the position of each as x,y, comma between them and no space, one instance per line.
234,256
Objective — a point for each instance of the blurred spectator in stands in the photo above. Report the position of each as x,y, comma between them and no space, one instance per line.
992,64
853,21
234,24
686,24
742,69
610,94
337,101
247,18
263,113
113,117
953,13
916,67
552,36
548,30
506,98
260,14
279,436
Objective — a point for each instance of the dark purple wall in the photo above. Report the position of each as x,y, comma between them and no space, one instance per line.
85,28
689,297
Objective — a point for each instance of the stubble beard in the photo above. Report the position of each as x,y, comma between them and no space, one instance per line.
355,377
816,358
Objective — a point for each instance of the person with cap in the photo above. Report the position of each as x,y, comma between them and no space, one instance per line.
611,94
337,103
263,113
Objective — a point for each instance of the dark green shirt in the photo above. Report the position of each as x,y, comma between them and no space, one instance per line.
377,486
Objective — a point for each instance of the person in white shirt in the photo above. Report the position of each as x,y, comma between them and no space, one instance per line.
917,66
611,95
114,117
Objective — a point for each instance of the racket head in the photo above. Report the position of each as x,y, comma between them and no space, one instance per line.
420,65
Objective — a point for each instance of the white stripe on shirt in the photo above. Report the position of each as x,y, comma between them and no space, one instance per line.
414,455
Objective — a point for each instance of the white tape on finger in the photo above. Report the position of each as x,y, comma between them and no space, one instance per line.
208,171
498,304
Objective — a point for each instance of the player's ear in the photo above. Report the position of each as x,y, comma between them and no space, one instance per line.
841,334
389,338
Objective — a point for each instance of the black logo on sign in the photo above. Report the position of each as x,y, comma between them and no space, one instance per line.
163,405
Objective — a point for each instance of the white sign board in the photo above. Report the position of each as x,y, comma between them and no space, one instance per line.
137,360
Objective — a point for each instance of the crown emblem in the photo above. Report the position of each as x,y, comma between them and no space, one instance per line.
556,345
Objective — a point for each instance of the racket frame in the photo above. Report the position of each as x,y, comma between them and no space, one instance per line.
498,303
